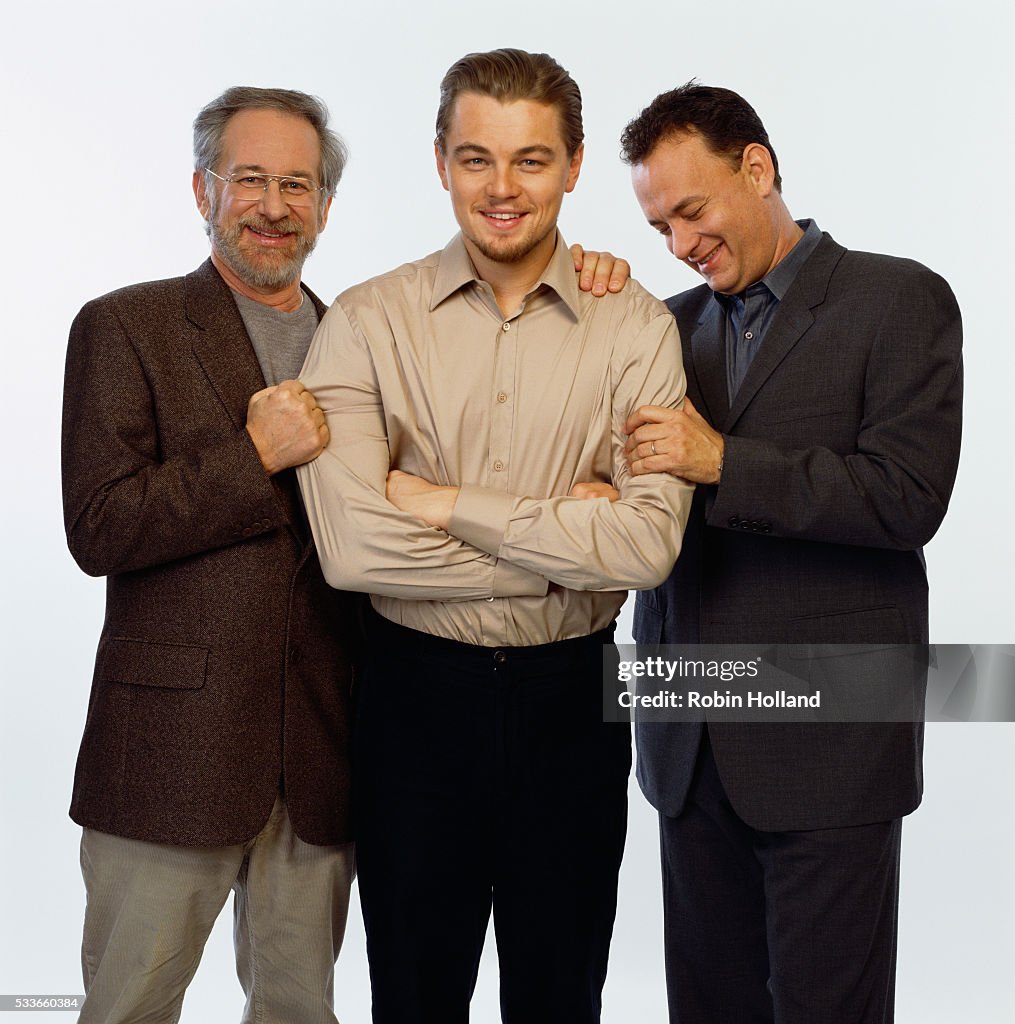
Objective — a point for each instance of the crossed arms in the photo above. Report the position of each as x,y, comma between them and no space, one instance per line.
496,544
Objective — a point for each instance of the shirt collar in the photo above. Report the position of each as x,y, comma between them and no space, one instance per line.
784,273
455,270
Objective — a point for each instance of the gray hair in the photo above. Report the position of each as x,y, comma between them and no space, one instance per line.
210,125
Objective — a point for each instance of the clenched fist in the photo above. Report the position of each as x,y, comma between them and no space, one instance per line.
286,426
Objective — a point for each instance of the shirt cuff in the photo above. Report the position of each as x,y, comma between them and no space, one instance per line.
480,517
510,580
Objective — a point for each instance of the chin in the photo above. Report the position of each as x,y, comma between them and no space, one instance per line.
502,250
268,275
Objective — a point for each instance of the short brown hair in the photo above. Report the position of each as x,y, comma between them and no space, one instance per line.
726,122
514,75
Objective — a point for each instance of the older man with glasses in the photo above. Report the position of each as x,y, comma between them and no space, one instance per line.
214,754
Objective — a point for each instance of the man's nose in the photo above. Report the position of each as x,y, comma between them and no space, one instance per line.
271,204
682,241
502,183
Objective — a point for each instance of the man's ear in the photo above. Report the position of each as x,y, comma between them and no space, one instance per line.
757,161
575,169
201,194
442,166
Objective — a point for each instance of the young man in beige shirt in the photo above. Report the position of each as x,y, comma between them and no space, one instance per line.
468,396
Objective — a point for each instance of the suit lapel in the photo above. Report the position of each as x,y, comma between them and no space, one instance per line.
790,323
788,327
708,357
221,344
222,347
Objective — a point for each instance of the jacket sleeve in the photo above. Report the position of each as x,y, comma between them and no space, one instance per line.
127,505
893,490
629,544
364,542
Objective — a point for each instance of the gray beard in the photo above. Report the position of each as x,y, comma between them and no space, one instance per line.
269,269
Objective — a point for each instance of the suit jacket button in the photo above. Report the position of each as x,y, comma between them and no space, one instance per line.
734,522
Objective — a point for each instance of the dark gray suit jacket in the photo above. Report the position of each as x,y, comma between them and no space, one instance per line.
224,666
841,451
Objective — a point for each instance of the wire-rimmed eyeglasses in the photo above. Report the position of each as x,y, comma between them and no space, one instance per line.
295,191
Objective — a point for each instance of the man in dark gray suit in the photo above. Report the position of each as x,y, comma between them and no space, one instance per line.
822,428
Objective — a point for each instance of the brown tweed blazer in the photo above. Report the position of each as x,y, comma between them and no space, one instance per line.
225,662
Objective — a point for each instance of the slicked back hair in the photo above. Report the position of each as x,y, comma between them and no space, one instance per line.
210,125
725,121
508,75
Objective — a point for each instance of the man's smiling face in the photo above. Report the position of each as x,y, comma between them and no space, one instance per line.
507,168
262,239
713,216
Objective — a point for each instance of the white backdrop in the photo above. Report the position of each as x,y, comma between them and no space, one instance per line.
893,124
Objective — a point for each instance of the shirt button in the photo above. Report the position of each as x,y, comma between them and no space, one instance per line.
505,326
498,465
501,397
748,335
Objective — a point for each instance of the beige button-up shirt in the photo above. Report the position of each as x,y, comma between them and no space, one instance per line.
419,370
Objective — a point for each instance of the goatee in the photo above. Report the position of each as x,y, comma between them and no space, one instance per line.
263,267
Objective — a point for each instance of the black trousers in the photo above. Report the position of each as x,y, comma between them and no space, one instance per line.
776,927
487,780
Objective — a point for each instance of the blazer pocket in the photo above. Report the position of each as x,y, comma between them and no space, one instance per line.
814,410
848,632
142,663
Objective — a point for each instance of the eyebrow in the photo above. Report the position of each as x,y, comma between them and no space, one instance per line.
258,169
473,147
680,207
677,210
